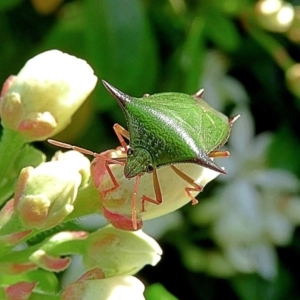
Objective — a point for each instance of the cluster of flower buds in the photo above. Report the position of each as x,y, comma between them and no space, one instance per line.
275,15
34,105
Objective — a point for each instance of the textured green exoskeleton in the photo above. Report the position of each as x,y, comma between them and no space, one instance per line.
163,129
169,128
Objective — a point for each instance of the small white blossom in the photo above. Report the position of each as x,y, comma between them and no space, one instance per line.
219,87
254,211
119,252
117,203
45,195
40,101
114,288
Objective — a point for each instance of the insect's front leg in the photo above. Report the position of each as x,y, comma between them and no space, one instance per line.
157,190
133,202
195,187
107,161
145,198
111,175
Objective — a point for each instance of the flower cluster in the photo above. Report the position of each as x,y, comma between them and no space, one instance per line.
255,209
34,105
252,215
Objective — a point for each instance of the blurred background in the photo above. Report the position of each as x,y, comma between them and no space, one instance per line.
242,240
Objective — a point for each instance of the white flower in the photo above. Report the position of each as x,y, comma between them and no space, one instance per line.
118,252
254,211
45,195
218,86
114,288
117,203
40,101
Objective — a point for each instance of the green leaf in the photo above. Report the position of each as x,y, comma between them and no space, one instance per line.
68,33
221,30
192,56
40,296
14,155
26,156
158,292
120,47
47,281
284,142
231,7
29,156
252,287
7,4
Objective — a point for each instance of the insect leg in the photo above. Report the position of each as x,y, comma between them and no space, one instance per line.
120,133
108,160
111,175
219,154
157,190
196,187
133,202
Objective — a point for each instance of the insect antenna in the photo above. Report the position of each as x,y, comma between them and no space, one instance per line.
117,160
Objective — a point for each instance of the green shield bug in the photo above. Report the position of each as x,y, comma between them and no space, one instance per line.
165,129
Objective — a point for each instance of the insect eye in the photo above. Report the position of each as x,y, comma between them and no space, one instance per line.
150,168
129,151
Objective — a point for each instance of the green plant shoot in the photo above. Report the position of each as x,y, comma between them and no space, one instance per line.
163,130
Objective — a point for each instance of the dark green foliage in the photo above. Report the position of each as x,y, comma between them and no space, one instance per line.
143,46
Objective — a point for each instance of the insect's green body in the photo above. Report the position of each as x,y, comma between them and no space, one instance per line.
170,128
163,129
